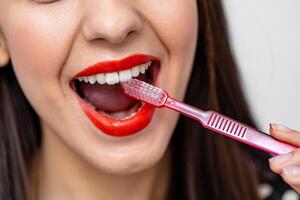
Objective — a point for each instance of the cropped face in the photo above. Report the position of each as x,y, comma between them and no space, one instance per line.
69,57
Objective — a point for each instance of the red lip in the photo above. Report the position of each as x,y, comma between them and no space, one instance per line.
108,125
118,65
115,127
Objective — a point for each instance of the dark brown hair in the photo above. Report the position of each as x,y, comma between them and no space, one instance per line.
205,165
208,165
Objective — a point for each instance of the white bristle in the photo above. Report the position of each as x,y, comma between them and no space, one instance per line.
145,92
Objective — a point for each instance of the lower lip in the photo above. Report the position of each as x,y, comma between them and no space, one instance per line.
116,127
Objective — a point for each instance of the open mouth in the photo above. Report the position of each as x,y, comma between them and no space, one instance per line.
102,100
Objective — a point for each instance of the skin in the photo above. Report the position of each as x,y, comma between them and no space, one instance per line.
48,42
60,38
287,165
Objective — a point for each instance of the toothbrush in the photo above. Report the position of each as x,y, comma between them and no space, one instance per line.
209,119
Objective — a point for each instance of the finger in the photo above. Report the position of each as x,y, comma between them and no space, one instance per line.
285,134
278,163
288,167
291,175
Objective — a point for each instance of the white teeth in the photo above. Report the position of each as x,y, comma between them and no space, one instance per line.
112,78
148,65
92,79
125,75
116,77
142,69
101,78
135,71
132,114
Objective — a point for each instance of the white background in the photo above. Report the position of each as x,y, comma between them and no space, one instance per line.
265,36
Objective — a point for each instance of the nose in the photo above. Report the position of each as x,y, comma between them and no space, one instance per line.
110,21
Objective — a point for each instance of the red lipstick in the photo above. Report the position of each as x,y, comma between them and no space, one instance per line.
105,123
118,65
115,127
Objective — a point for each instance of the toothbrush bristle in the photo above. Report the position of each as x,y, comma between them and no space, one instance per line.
145,92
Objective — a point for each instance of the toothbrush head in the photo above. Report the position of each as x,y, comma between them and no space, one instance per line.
145,92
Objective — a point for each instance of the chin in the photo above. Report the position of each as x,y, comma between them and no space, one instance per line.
132,156
130,164
123,155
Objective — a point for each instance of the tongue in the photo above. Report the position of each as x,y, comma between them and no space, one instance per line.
107,98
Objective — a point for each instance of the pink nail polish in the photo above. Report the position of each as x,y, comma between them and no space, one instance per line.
280,127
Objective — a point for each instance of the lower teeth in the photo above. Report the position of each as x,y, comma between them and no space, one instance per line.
134,113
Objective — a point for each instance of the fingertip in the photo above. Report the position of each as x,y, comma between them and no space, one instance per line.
271,129
274,167
279,127
271,126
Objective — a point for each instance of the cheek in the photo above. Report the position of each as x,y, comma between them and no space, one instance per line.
38,48
32,56
37,45
176,23
177,27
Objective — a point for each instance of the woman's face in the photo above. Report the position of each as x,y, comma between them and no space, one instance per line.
51,43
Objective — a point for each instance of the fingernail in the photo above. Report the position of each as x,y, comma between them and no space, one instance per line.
279,127
278,160
291,171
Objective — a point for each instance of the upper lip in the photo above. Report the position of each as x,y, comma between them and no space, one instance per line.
117,65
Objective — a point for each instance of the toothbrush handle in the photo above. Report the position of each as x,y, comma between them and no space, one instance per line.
231,128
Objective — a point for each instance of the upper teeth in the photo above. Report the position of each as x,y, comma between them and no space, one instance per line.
116,77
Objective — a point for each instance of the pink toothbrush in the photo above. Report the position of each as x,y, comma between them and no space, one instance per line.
209,119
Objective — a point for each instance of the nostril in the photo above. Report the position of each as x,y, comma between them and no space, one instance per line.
130,33
112,24
116,39
117,36
113,35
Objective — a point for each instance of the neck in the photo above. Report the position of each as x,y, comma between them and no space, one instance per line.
62,175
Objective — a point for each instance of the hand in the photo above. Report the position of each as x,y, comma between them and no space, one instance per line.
287,165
